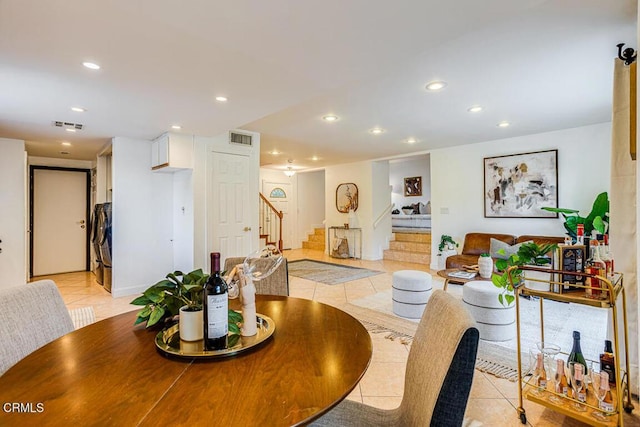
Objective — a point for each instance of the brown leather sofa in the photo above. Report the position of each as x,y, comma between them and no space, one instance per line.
478,243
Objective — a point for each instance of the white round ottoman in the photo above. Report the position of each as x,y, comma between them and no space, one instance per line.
411,291
495,321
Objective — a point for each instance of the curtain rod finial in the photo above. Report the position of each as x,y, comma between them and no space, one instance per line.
626,55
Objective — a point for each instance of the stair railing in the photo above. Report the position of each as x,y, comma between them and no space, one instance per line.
270,223
383,215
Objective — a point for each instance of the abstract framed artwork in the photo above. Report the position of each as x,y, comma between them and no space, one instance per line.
520,185
413,186
347,197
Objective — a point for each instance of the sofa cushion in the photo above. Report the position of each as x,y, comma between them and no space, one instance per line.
540,240
478,243
496,246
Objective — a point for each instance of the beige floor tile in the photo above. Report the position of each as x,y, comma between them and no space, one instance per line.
356,394
383,379
386,350
492,413
389,402
482,388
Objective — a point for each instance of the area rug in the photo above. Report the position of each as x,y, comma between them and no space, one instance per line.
499,358
328,273
493,359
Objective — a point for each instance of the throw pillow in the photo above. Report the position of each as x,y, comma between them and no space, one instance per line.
495,246
428,209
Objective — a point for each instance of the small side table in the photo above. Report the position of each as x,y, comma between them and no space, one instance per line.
457,280
353,236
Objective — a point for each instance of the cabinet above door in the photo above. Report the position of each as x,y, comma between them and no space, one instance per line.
171,152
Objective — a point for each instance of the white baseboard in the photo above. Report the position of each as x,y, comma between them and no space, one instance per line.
129,291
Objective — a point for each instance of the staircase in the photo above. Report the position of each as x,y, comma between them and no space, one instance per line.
316,241
409,247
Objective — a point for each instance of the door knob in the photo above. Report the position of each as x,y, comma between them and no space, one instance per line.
82,226
81,221
247,229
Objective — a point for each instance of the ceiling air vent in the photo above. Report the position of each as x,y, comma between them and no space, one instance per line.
68,125
240,139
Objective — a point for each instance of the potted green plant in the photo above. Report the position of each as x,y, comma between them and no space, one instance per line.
178,293
528,254
598,218
447,242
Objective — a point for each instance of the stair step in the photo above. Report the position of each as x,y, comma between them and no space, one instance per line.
319,231
316,238
313,245
420,247
413,237
405,256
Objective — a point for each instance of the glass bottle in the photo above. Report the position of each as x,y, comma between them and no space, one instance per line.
216,308
607,401
540,373
576,352
607,361
562,385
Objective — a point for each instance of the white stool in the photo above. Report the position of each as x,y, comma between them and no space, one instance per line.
495,321
411,291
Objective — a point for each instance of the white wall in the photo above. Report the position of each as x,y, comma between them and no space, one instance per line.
182,212
311,204
406,168
63,163
457,181
381,199
13,191
142,218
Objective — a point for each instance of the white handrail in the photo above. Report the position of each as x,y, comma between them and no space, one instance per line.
384,213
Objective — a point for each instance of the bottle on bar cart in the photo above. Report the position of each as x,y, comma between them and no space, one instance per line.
562,385
576,352
540,373
607,402
216,308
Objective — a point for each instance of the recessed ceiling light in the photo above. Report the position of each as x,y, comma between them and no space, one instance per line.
411,141
275,152
91,65
330,118
376,131
78,109
436,85
221,98
177,127
474,109
504,124
66,144
314,158
70,130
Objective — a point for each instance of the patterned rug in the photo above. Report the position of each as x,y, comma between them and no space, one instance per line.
493,359
327,273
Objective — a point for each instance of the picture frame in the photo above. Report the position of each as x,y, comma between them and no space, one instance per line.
347,197
413,186
520,185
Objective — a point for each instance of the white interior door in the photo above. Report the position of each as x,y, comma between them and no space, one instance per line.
229,209
59,221
282,203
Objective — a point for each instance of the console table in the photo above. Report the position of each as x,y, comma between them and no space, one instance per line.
353,237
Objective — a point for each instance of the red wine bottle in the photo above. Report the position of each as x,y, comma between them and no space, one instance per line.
216,308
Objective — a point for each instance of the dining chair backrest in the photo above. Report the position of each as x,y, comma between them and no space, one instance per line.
441,363
34,314
275,284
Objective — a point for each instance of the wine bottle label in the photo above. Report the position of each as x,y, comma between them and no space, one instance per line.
217,316
582,396
606,406
542,383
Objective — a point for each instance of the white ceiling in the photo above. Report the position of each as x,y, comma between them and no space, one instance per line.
283,64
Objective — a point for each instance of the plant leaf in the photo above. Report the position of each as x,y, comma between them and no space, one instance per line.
233,328
156,316
139,320
141,300
232,340
510,298
500,299
560,210
235,317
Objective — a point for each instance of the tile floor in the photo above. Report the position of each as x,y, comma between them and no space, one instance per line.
493,401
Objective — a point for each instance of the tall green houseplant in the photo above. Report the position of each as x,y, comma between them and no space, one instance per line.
598,218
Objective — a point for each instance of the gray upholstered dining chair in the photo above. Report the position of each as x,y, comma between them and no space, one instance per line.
33,315
438,376
275,284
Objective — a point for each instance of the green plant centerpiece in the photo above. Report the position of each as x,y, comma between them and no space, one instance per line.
162,301
528,254
446,242
598,218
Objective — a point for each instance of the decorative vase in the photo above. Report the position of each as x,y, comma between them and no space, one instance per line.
485,266
191,324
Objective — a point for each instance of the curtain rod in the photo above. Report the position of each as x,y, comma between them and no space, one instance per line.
626,55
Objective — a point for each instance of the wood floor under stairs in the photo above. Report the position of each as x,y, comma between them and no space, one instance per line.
409,247
316,241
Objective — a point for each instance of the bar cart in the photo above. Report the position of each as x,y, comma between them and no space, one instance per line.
608,291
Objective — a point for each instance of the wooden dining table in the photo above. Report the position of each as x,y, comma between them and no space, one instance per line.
112,373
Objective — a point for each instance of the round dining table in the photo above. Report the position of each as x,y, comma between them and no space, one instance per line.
112,373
